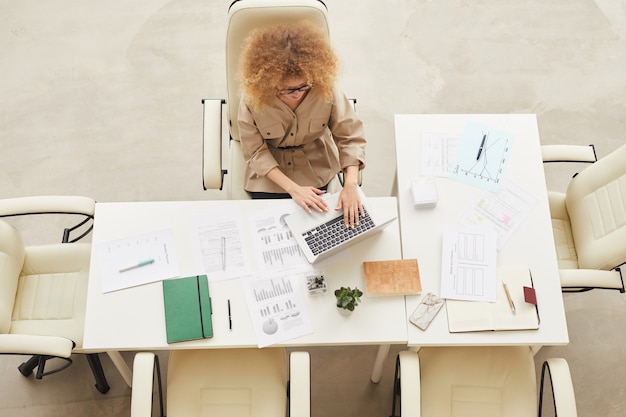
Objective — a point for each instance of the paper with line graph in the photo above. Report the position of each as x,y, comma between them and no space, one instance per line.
482,157
468,264
276,307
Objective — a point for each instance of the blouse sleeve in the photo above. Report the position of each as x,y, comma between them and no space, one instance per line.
255,150
348,133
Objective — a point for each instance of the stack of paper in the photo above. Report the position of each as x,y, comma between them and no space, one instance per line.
424,193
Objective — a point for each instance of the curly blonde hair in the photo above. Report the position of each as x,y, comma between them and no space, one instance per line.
276,53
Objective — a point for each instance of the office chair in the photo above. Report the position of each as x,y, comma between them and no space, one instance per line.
43,288
589,224
224,382
569,153
243,17
478,381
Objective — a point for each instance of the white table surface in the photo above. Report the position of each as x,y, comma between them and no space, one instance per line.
531,246
133,318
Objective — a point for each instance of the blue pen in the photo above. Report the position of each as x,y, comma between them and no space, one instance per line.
482,145
138,265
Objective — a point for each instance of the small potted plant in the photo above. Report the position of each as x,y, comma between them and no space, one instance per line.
348,298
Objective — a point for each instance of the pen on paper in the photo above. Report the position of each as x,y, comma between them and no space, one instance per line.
482,145
230,319
138,265
508,296
223,253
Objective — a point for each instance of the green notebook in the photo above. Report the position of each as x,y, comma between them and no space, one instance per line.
187,308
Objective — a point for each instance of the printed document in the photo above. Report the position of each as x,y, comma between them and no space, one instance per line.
275,247
468,264
502,212
482,157
437,153
137,260
218,243
276,307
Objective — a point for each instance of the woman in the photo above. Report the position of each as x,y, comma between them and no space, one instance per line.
297,130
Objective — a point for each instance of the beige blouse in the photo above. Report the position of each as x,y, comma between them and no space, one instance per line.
310,145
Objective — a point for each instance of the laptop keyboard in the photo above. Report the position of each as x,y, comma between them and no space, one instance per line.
334,232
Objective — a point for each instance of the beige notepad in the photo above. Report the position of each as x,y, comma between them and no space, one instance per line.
472,316
397,277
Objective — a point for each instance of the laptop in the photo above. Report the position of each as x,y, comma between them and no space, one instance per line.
321,235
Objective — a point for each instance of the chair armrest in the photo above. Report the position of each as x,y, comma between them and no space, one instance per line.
568,153
577,279
562,387
47,204
36,345
299,384
143,377
212,172
410,385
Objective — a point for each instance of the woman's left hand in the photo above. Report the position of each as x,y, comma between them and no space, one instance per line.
350,202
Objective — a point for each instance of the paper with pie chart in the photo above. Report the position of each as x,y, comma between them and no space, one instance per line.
482,157
276,307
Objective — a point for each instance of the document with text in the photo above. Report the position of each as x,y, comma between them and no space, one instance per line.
218,240
137,260
502,212
276,307
468,264
275,247
437,153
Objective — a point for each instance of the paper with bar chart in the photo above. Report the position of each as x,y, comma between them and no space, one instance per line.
276,307
482,157
275,247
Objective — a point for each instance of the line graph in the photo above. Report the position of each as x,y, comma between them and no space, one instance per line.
482,157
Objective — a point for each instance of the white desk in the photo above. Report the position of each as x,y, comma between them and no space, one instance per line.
531,246
133,319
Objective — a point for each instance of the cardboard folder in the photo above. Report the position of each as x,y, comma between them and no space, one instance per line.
187,308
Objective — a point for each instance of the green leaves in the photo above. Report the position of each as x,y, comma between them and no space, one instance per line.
348,298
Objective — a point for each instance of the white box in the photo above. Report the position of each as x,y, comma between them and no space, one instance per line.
424,193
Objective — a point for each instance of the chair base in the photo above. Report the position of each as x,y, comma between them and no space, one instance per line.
39,362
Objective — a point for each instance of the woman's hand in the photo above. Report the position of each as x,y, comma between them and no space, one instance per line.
349,198
308,198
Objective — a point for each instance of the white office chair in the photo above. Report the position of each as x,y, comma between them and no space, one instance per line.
569,153
43,288
497,381
244,16
224,382
589,223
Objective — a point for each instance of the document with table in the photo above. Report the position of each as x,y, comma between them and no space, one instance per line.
468,264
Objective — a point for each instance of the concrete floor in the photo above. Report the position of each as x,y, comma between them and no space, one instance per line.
103,99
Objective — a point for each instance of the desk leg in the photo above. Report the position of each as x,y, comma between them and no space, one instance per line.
381,356
122,367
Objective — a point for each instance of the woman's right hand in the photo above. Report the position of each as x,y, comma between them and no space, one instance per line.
308,198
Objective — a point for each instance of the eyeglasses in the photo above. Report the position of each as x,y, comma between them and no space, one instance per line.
301,89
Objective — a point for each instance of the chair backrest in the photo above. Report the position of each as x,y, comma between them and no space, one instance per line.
12,255
478,381
243,17
227,382
247,15
596,204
